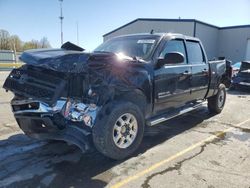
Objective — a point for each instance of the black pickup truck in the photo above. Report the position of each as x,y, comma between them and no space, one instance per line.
107,97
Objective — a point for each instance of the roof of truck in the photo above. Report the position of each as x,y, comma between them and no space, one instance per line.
170,35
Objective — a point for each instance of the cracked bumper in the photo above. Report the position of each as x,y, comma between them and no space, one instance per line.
41,127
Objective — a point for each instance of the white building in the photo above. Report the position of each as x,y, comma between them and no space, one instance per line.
231,42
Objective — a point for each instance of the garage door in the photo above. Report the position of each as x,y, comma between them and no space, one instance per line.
248,50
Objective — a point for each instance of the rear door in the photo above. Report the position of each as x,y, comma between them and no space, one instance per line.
200,70
172,81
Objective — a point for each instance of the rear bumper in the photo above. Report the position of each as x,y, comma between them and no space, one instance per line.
41,127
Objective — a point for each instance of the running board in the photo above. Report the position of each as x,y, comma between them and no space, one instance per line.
183,111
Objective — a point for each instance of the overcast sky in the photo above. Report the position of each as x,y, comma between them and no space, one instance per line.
33,19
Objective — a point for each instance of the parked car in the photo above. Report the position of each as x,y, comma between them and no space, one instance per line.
110,95
236,68
242,78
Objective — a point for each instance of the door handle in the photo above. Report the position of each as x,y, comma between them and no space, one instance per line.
186,73
205,71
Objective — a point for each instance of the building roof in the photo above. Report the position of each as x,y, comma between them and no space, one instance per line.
175,20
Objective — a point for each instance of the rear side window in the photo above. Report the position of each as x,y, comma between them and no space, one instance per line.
195,55
174,46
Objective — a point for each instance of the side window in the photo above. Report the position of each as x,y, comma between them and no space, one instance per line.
195,55
174,46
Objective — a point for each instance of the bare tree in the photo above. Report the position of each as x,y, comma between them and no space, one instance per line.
4,40
16,43
33,44
44,43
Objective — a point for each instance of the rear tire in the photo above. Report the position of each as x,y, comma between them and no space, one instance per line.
216,103
118,130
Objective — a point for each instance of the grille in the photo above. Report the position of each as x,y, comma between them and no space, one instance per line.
46,78
35,84
29,89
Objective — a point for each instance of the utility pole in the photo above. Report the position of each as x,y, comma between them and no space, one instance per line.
61,21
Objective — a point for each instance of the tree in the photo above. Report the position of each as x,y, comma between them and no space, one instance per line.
33,44
44,43
4,40
16,43
13,42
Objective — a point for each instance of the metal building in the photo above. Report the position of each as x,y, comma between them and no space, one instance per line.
231,42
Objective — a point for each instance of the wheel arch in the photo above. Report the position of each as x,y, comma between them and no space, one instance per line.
136,97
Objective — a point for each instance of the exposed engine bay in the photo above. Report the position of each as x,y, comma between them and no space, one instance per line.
80,112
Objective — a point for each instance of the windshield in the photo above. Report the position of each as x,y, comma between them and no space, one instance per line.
132,46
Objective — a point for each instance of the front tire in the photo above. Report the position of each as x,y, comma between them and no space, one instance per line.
216,103
119,130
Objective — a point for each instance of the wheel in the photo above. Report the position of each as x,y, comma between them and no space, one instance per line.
118,130
216,103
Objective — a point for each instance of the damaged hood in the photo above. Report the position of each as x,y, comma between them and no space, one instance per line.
63,60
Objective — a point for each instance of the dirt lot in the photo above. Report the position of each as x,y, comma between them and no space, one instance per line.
194,150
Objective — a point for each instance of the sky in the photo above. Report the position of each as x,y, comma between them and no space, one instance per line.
34,19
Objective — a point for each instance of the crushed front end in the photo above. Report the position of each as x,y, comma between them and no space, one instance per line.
67,120
44,110
54,103
59,92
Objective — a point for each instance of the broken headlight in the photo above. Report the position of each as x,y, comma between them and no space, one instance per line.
79,112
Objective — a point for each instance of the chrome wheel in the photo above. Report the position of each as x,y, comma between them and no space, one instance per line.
221,99
125,130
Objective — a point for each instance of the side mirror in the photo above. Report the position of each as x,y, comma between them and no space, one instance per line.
171,58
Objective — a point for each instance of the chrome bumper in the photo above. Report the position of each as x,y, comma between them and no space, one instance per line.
41,121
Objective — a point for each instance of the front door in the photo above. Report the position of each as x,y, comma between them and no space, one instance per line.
172,81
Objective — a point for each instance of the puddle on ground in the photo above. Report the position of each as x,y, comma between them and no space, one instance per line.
242,134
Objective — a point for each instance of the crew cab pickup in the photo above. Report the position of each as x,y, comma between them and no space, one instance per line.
107,97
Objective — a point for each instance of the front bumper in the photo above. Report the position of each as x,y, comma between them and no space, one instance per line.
40,121
41,127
